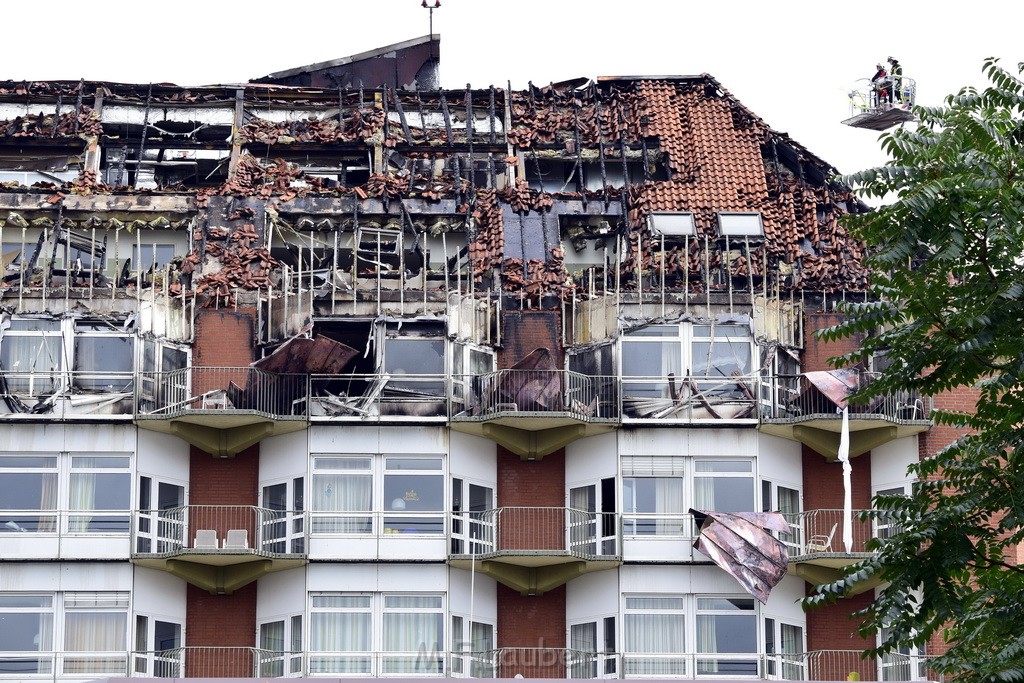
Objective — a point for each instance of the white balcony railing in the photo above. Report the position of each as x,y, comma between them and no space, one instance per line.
212,529
535,393
820,532
792,398
537,531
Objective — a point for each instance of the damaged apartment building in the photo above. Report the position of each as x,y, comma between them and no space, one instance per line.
340,373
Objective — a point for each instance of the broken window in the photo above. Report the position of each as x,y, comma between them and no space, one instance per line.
688,371
163,378
469,364
152,255
104,358
552,175
31,355
163,167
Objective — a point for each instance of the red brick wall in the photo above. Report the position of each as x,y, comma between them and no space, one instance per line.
220,621
532,622
531,483
224,338
832,628
525,331
823,481
932,442
229,481
816,351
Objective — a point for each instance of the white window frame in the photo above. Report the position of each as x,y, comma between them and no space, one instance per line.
673,224
76,659
685,338
740,224
66,517
386,513
377,660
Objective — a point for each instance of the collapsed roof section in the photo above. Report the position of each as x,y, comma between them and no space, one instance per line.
574,191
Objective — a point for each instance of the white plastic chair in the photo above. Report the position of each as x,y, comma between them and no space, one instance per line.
820,543
206,538
237,539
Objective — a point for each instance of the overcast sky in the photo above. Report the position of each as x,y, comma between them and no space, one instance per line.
791,61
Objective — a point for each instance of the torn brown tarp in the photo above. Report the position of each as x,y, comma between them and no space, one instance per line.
282,380
533,383
319,356
741,544
835,385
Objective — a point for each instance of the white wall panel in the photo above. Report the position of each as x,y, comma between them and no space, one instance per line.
591,459
889,462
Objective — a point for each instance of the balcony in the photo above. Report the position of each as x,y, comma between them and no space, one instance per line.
532,549
378,397
67,395
808,408
534,412
222,410
816,550
690,399
539,663
219,548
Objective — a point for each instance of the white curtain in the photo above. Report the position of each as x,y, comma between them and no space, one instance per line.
704,493
420,635
82,496
668,501
339,632
342,493
47,501
655,634
707,643
30,354
95,632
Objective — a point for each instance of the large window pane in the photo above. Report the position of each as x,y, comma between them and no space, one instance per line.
98,358
409,357
27,483
726,626
652,505
654,640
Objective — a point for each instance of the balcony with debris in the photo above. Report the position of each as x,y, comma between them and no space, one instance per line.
809,408
360,214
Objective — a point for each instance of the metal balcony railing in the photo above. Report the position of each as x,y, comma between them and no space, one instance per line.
658,525
66,393
820,532
56,665
512,662
214,662
845,665
194,389
213,529
515,531
792,398
535,392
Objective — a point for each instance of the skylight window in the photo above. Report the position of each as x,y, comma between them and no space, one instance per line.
740,224
676,224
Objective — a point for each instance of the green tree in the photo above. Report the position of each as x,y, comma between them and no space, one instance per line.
948,307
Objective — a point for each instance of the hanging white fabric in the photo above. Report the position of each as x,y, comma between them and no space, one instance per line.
844,457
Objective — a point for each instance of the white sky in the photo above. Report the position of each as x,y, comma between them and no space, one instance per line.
790,61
